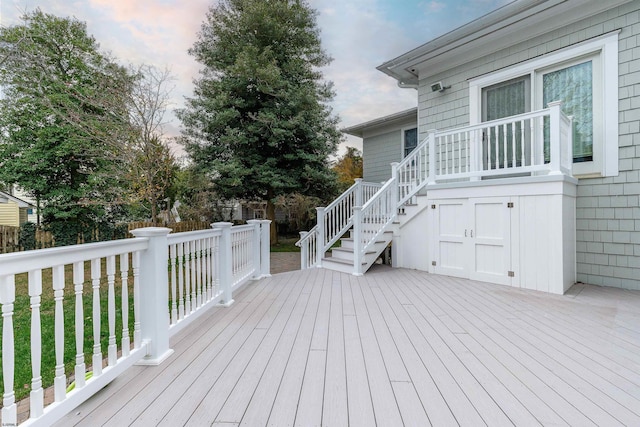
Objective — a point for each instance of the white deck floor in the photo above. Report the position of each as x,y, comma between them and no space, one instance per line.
394,347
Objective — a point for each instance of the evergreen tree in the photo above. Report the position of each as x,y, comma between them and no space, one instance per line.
259,119
63,121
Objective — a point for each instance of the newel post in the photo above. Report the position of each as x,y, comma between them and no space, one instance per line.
154,291
320,237
395,190
357,241
432,157
304,251
265,247
226,260
554,138
359,192
257,247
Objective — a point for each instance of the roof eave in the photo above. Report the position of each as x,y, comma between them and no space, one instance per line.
482,34
402,116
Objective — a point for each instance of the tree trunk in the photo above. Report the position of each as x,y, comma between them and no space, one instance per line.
154,212
271,214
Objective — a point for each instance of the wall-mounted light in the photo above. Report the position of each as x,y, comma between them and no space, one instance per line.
439,87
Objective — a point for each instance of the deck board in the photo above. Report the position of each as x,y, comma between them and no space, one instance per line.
394,347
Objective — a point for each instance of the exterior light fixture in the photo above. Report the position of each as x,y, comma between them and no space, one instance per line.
439,87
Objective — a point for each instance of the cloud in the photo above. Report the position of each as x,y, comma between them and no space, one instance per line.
434,6
358,34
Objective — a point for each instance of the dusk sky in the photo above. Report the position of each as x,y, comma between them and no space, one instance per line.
358,34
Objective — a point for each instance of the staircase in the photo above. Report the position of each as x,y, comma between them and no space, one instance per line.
342,258
371,213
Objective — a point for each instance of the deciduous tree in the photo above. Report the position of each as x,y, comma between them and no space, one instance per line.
63,120
153,167
348,167
259,118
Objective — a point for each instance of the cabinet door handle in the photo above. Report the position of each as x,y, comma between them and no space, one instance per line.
471,233
465,232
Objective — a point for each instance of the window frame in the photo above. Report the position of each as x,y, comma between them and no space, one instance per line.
402,134
604,51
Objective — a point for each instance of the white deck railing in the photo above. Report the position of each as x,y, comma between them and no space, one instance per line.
533,143
333,221
163,282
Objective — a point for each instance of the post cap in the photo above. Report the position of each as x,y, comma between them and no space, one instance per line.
150,231
222,225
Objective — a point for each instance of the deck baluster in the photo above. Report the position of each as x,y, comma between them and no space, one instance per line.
36,396
172,271
124,278
7,299
180,266
112,348
194,284
137,335
60,380
187,279
78,281
97,350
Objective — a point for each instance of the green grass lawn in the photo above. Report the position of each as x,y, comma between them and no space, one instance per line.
286,244
22,326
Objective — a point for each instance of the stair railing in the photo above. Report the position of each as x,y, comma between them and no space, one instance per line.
412,173
372,219
333,221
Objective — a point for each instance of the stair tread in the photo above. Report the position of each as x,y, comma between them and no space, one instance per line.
340,261
349,250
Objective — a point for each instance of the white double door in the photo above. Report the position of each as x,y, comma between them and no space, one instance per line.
472,238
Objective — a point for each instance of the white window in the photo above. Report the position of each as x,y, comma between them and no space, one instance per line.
584,77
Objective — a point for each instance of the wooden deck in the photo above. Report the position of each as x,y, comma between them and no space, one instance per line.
394,347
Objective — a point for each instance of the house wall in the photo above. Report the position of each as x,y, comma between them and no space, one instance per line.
607,209
9,214
380,148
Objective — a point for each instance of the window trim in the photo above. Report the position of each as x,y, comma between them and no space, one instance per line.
605,150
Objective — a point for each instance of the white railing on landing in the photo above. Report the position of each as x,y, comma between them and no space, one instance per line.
333,221
539,142
164,282
536,142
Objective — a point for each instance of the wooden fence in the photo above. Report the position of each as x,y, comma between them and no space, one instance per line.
9,239
9,236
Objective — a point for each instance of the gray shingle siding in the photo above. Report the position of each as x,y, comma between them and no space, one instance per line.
379,152
608,212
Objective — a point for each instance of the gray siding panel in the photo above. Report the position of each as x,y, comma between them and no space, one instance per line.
379,152
608,209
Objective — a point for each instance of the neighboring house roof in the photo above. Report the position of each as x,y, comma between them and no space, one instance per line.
402,116
511,24
9,198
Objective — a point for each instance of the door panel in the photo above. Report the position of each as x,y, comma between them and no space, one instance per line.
451,218
490,240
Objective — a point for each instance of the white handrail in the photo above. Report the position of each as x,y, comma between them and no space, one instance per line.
333,221
204,268
373,219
